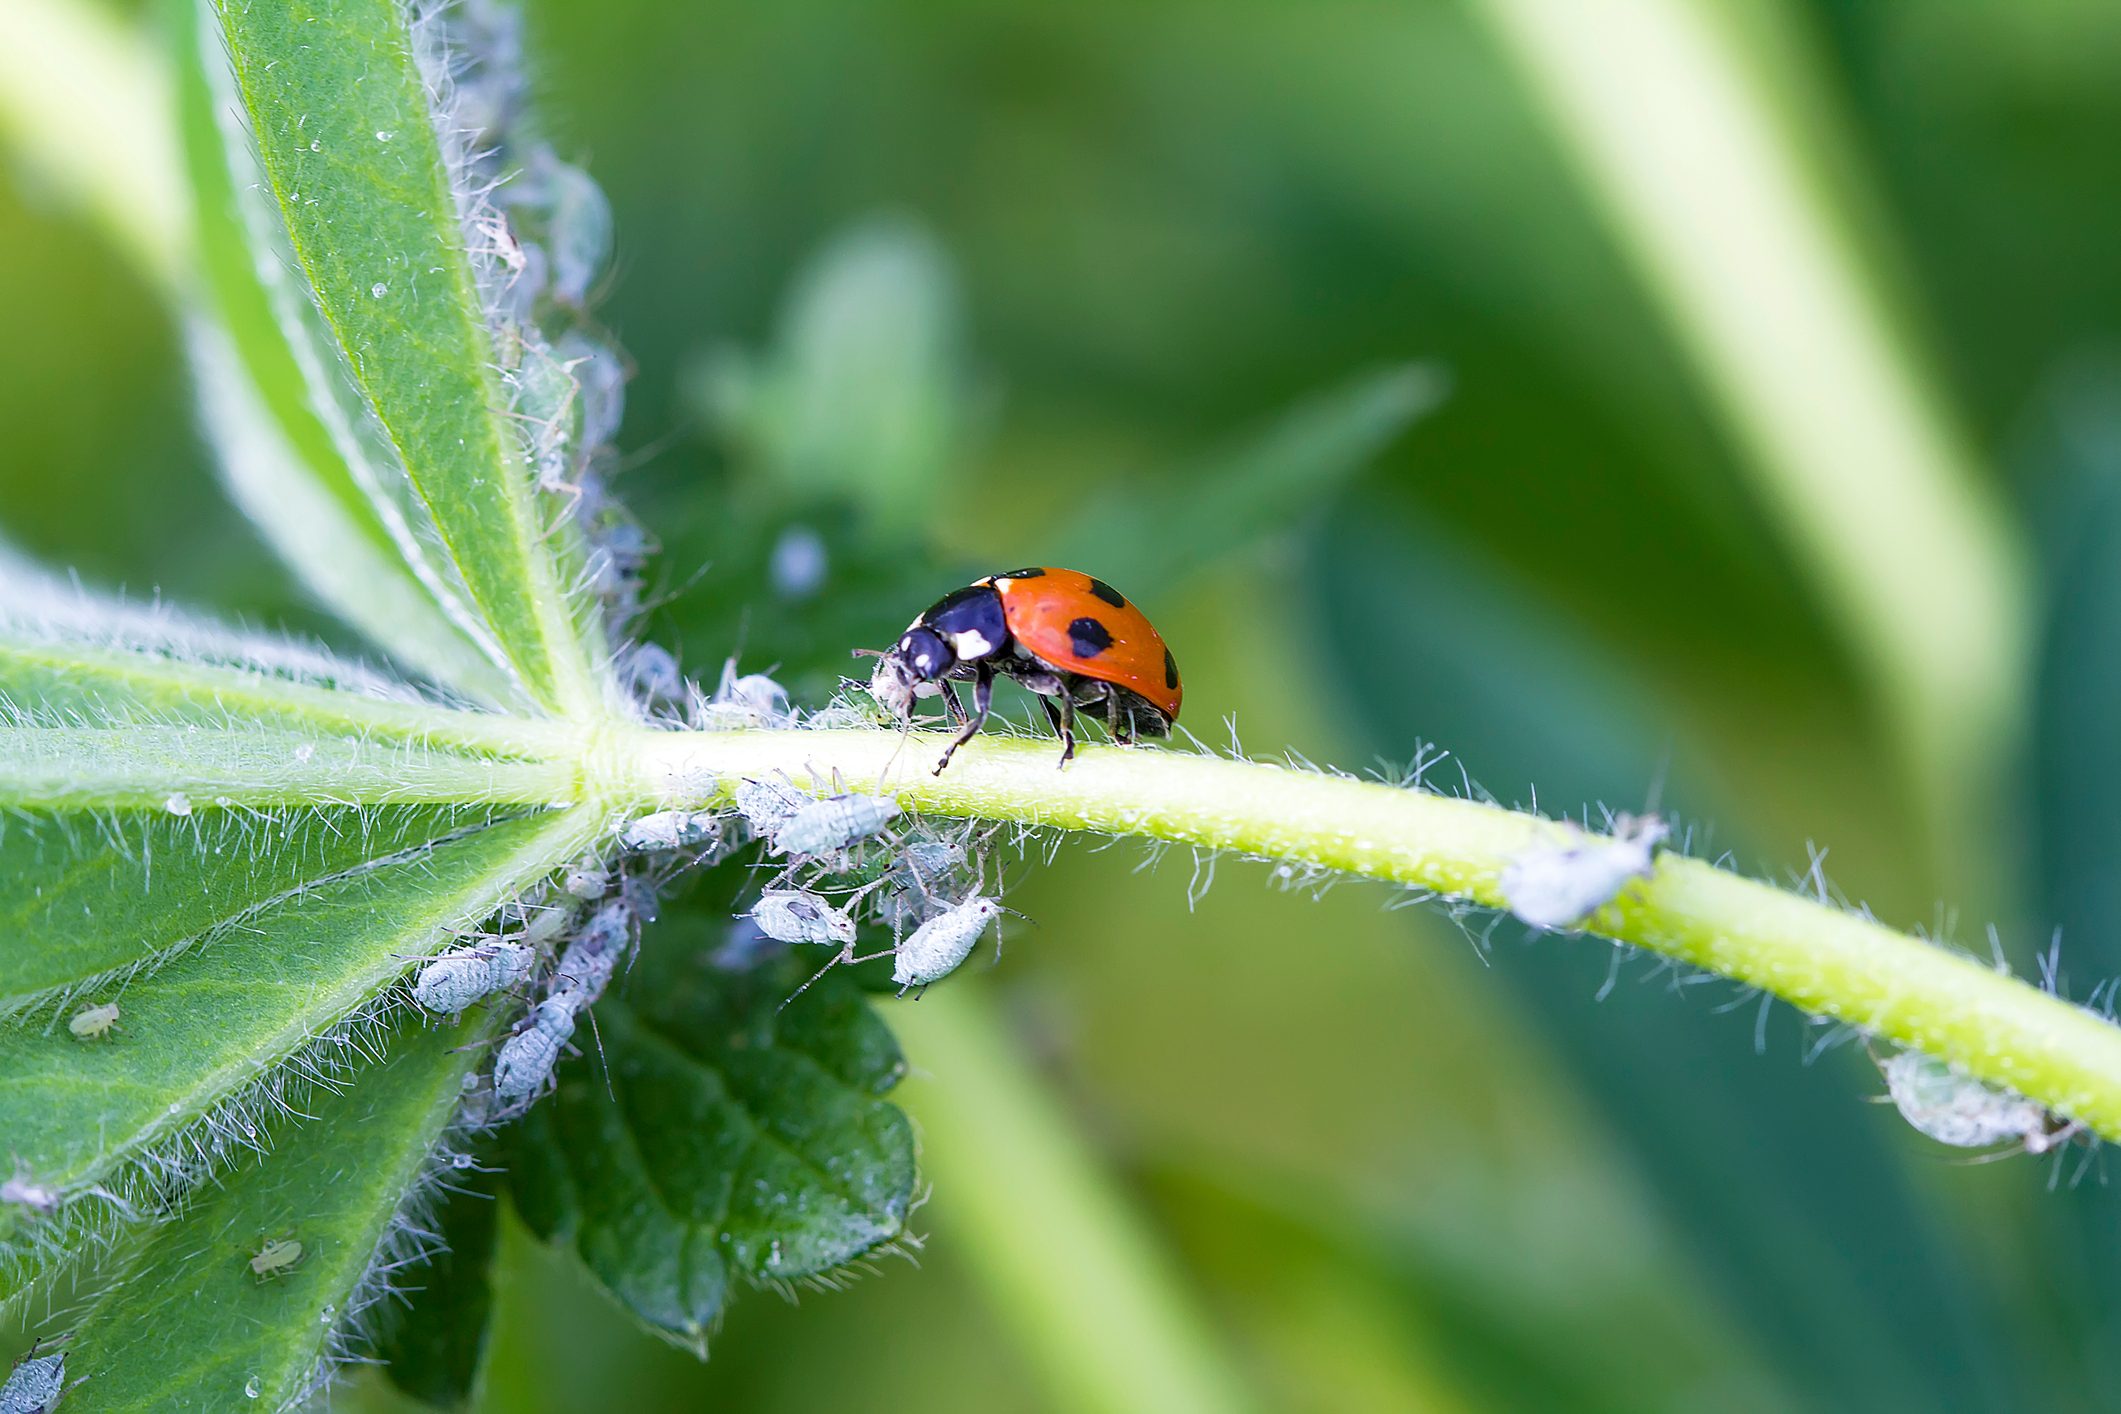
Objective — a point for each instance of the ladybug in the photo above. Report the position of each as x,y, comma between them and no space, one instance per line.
1069,637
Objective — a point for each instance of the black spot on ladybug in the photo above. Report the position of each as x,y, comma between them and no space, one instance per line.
1089,637
1170,671
1032,573
1107,593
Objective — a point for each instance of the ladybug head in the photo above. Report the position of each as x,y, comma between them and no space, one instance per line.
916,661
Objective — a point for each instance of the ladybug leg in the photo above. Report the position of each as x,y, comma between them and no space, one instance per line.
982,699
952,701
1063,719
1117,721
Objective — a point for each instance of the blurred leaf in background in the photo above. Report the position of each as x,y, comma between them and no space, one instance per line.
1139,263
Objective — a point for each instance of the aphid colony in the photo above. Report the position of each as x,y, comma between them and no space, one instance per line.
848,847
837,854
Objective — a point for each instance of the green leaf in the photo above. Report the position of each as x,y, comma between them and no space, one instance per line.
378,218
205,1041
176,768
737,1142
232,1339
1155,531
72,657
1835,1274
864,396
91,895
434,1344
278,454
2072,438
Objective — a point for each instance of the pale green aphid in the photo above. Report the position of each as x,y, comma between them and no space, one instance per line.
275,1257
94,1022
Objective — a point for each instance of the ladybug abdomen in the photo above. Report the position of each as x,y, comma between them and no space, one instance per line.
1079,624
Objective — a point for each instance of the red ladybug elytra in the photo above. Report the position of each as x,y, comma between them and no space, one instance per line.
1069,637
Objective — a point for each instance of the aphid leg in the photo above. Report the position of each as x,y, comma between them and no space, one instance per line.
1063,719
602,1060
843,955
982,701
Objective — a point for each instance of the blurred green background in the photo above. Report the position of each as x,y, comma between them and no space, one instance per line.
1085,261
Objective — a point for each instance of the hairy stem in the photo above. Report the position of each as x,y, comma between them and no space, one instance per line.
1824,960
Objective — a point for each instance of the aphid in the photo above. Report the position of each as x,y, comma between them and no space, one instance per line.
36,1384
462,976
275,1258
793,916
767,805
578,228
935,949
1950,1106
601,378
587,878
527,1057
27,1192
544,398
668,831
652,672
1071,638
92,1022
832,823
612,581
753,700
589,961
542,925
918,879
501,242
621,538
1559,886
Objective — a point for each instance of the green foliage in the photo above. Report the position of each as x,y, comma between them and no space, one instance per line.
279,458
864,395
435,1343
338,1185
83,906
243,844
1512,684
721,1139
1171,222
350,142
1273,483
215,1027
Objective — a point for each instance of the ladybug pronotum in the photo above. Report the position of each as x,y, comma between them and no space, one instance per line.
1071,638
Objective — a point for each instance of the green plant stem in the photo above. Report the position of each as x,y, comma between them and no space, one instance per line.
1821,959
1091,1299
1712,170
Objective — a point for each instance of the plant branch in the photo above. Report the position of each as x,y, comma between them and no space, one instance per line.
1824,960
